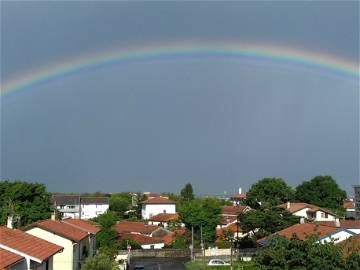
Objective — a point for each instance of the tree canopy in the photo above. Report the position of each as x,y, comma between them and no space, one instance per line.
322,191
267,220
120,203
187,193
287,254
269,192
100,262
201,212
28,201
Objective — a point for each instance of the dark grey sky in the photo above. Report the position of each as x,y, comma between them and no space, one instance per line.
218,123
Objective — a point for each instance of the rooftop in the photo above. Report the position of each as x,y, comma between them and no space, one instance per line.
164,217
8,258
294,207
27,243
136,227
84,225
158,200
60,228
75,199
233,210
141,239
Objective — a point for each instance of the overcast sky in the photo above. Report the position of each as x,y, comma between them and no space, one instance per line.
218,123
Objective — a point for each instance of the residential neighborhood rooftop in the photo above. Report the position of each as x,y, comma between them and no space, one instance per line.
293,207
75,199
139,227
60,228
27,244
158,200
84,225
164,217
8,258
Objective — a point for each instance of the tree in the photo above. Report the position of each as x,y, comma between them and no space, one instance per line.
106,238
269,192
287,254
203,213
100,262
120,203
123,243
28,201
180,242
267,220
322,191
187,193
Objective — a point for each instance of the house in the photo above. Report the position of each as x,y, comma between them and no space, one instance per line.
304,230
238,198
349,206
81,207
350,225
75,241
309,211
229,213
22,251
90,227
135,228
231,230
163,219
11,261
156,206
146,242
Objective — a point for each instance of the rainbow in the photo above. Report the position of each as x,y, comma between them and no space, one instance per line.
185,50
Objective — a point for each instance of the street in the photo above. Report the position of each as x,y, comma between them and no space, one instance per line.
159,263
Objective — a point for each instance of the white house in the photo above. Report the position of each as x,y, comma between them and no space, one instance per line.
75,241
349,206
22,251
82,207
156,206
309,211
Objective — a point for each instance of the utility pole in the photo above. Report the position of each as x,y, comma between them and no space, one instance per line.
202,245
192,243
231,253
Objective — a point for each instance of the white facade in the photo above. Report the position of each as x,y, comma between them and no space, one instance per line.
72,255
153,246
93,210
318,215
337,237
149,210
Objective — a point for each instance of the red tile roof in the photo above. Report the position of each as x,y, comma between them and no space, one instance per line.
141,239
297,206
158,200
227,219
239,196
302,231
28,244
344,223
84,225
233,210
8,258
61,228
137,227
349,205
165,217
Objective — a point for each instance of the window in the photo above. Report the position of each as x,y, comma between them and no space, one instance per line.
152,246
322,215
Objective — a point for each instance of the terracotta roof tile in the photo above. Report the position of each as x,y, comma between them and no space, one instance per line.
239,196
84,225
349,204
302,231
27,243
233,210
165,217
74,199
158,200
8,258
61,228
138,227
141,239
297,206
344,223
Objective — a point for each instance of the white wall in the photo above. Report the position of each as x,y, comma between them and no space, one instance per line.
303,213
337,237
149,210
93,210
63,260
155,246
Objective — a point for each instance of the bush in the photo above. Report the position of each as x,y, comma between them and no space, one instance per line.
222,244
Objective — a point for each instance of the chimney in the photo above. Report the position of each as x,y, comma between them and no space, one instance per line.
240,190
288,205
9,222
337,223
302,220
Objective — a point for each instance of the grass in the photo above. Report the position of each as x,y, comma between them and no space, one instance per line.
196,265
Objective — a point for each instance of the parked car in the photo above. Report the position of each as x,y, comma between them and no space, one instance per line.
217,262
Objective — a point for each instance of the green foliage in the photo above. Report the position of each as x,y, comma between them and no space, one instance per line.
285,254
270,192
205,212
268,220
223,244
353,262
322,191
107,220
140,197
29,201
120,203
122,244
106,238
172,196
100,262
180,242
187,193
